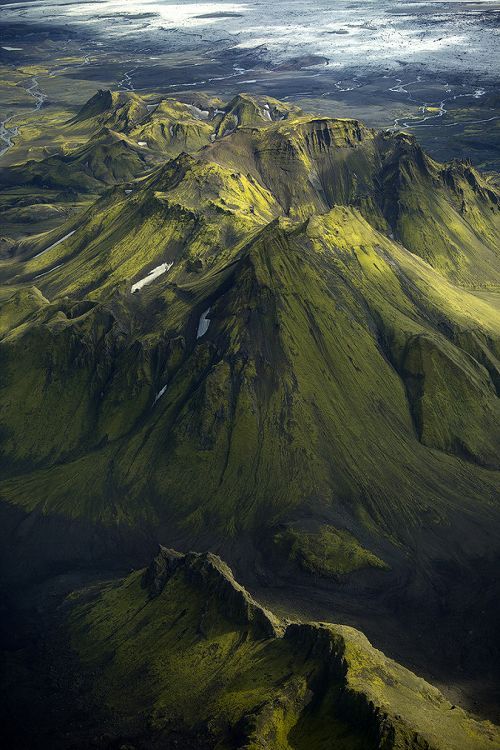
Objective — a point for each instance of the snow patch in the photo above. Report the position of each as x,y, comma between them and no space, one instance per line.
203,113
49,271
203,324
160,393
315,181
55,244
152,275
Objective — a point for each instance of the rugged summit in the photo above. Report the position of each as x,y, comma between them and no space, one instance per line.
209,573
210,668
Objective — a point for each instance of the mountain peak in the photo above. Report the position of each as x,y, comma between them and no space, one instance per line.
117,109
246,110
207,572
100,102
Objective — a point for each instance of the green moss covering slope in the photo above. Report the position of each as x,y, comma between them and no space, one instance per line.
182,651
329,551
293,330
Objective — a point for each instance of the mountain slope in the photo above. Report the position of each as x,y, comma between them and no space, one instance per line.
183,654
447,214
298,406
108,158
283,347
387,310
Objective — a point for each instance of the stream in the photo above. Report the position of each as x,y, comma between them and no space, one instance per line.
428,112
419,121
8,131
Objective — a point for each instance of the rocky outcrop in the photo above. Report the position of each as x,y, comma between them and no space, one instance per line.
211,575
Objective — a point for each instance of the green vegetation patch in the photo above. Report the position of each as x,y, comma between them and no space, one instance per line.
329,551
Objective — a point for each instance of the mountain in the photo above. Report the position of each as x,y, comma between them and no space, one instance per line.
108,158
181,655
122,133
114,138
118,110
283,348
446,214
244,111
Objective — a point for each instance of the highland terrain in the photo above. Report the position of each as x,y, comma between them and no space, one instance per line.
267,334
249,414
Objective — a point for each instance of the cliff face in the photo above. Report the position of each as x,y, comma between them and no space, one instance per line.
208,573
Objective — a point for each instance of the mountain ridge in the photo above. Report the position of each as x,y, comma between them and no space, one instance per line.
282,347
265,681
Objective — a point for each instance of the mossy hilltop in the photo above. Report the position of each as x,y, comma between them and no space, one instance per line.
181,656
282,346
